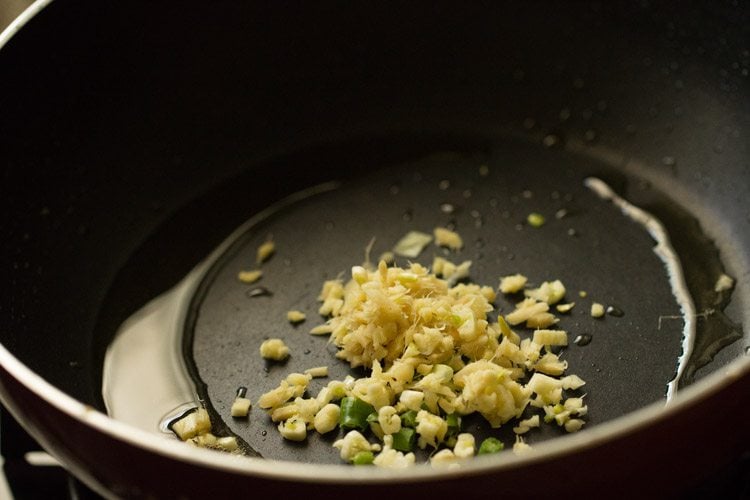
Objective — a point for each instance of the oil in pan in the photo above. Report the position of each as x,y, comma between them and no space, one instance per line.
197,343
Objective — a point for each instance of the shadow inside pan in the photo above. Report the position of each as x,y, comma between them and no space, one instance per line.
484,190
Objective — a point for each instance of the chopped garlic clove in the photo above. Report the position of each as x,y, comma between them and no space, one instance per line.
250,276
513,283
265,251
520,446
550,337
723,283
274,349
240,407
293,429
565,308
295,316
194,423
317,372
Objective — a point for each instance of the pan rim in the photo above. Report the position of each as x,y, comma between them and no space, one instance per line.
20,21
644,417
567,445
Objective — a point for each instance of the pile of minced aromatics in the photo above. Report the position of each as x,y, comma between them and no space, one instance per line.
433,356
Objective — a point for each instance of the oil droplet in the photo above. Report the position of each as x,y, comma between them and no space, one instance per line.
493,202
578,83
527,194
329,225
479,243
478,222
550,141
451,225
484,171
417,177
590,135
572,232
408,214
394,189
615,311
444,184
560,214
564,114
529,123
583,339
258,291
475,213
447,208
668,161
467,193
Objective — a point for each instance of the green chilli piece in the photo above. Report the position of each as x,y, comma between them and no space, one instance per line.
363,458
354,413
490,445
409,419
454,423
404,439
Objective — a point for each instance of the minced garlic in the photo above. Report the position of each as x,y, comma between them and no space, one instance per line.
250,276
447,238
295,316
195,428
265,251
723,283
274,349
513,283
240,407
318,371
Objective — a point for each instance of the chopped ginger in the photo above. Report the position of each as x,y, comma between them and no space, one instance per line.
250,276
295,316
274,349
447,238
265,251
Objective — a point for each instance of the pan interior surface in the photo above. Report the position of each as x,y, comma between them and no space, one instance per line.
484,191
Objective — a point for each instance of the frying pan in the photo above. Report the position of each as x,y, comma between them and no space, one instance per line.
148,150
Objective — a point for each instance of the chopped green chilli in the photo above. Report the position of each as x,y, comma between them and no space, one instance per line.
354,413
405,439
409,419
363,458
490,445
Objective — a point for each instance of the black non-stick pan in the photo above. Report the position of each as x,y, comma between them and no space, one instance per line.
149,150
